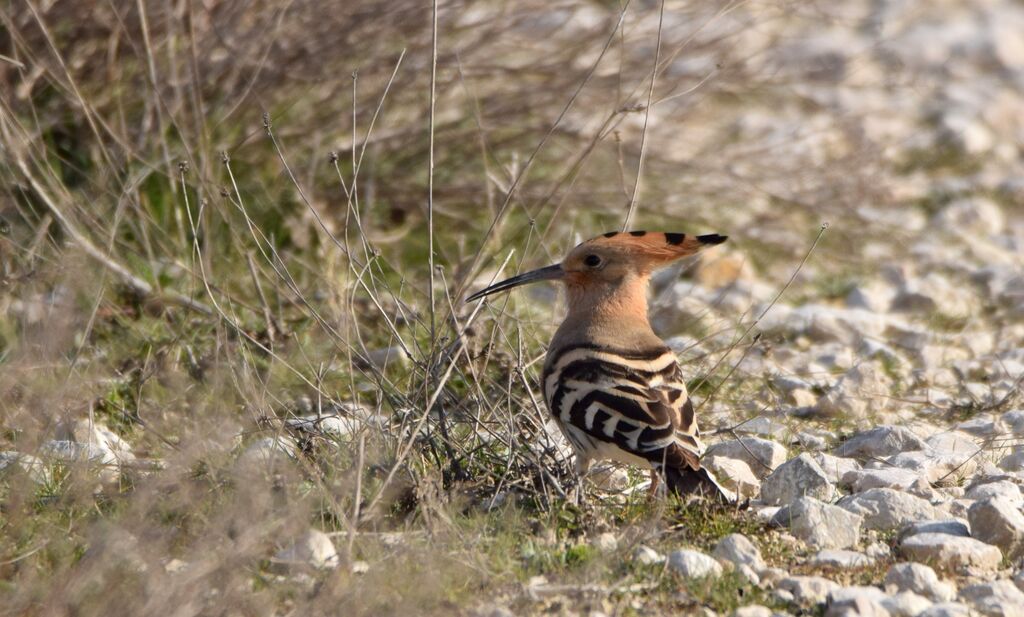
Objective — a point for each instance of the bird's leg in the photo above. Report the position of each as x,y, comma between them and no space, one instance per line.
583,464
652,492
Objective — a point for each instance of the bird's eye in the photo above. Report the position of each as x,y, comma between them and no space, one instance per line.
592,261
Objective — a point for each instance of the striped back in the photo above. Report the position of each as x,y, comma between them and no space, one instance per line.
634,400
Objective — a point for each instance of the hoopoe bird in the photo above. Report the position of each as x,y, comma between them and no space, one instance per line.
613,386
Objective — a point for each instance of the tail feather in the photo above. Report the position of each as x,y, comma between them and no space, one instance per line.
699,482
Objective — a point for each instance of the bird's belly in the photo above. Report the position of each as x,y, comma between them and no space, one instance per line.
595,449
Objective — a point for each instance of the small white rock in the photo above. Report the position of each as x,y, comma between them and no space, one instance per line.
888,509
796,478
999,522
647,556
820,524
739,550
997,598
807,588
313,548
838,558
761,455
605,542
920,579
952,552
693,564
880,442
905,604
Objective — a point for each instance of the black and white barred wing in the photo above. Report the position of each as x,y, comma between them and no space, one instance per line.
627,406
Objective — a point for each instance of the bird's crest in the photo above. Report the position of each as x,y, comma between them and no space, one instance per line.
655,244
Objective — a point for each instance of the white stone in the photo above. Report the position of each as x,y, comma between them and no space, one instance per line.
965,133
875,296
954,443
878,550
314,548
938,468
605,542
856,602
947,609
799,477
861,480
999,522
905,604
952,552
73,451
734,475
971,216
997,598
647,556
820,524
845,594
96,434
739,550
388,357
1014,420
611,478
862,389
880,442
17,463
807,588
1014,461
834,466
359,567
761,455
267,450
693,564
1003,489
920,579
935,292
839,558
754,610
952,526
887,509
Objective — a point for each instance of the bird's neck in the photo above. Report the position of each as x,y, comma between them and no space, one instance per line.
612,315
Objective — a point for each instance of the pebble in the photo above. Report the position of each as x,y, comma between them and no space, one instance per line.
693,564
813,589
880,442
734,474
314,548
999,522
820,524
796,478
1003,489
842,559
920,579
953,527
605,542
835,467
947,609
952,552
647,556
18,463
906,604
267,450
888,509
997,598
739,550
761,455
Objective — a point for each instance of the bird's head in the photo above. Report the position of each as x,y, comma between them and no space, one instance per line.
612,258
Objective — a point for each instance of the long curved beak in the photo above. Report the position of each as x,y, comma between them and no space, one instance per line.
550,273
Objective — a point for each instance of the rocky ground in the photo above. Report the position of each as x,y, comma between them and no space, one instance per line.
864,391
